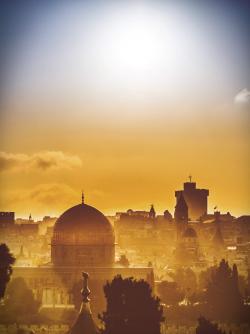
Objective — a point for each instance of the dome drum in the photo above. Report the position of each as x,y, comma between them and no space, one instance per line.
88,256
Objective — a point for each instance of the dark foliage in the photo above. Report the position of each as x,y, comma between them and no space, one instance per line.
223,294
131,308
206,327
170,293
6,262
186,280
20,304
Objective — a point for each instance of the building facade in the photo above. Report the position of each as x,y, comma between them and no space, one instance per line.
195,198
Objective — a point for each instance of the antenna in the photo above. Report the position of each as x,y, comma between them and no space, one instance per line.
82,197
190,178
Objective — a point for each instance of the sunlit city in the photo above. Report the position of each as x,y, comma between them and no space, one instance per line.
124,167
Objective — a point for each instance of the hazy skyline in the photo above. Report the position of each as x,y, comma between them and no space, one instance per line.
124,100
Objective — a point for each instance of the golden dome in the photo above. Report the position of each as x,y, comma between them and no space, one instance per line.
83,224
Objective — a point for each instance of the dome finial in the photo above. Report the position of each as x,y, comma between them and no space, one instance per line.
84,322
85,290
82,197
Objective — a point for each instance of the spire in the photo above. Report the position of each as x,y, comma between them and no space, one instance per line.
30,218
181,203
181,210
152,212
84,322
82,197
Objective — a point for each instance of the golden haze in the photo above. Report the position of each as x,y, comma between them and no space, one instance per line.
127,159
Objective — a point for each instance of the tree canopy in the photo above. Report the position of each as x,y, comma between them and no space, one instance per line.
206,327
131,308
6,262
170,293
19,300
223,294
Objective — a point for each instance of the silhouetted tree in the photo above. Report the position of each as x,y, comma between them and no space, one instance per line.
186,281
205,277
206,327
19,299
197,297
170,293
131,308
6,262
223,294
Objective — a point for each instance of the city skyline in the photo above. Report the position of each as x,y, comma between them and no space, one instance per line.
188,188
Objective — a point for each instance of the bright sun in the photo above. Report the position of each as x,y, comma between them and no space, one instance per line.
134,48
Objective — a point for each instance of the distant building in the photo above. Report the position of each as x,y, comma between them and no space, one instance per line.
7,219
187,249
19,227
167,215
195,198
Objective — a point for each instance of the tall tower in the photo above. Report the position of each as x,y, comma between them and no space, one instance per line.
181,215
195,198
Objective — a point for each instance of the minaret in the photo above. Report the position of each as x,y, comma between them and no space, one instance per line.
84,323
152,212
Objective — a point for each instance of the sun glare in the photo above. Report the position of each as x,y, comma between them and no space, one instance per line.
132,48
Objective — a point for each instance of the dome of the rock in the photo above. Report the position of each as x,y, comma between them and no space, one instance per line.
82,236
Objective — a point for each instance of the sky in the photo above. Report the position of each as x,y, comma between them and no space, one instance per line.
124,100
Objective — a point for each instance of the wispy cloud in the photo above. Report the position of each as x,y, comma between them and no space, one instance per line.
45,198
49,194
242,99
43,161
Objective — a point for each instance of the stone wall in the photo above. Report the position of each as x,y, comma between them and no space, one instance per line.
37,329
166,329
235,329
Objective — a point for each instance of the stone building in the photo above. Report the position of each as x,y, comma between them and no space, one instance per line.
83,240
195,198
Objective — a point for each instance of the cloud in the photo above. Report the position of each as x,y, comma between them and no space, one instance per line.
43,161
42,199
242,99
47,199
50,194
